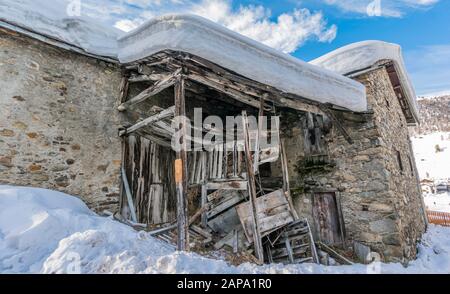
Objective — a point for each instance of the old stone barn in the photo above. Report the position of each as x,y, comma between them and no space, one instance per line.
341,181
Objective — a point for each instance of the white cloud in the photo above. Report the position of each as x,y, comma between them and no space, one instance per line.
286,33
389,8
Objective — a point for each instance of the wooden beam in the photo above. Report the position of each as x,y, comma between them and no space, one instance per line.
286,185
241,97
181,171
259,252
159,86
147,78
154,139
257,89
337,123
162,115
129,195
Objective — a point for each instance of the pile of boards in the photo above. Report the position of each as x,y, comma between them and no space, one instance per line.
229,226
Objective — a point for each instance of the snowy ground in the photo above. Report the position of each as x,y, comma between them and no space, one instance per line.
429,163
42,231
438,202
434,165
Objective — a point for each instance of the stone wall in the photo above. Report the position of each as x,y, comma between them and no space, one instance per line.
58,123
381,204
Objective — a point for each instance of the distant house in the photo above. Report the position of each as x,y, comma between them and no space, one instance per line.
100,126
427,186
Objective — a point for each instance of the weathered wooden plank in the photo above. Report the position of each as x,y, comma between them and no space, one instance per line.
163,114
224,89
153,90
235,199
257,241
181,172
286,185
129,195
227,185
273,212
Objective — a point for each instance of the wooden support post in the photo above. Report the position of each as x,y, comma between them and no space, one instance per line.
204,202
259,252
181,171
286,185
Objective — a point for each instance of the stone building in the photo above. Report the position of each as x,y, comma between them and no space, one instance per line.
351,168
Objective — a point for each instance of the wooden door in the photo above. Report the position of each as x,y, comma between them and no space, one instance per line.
326,218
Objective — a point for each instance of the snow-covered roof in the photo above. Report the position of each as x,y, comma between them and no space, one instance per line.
206,39
46,18
361,56
194,35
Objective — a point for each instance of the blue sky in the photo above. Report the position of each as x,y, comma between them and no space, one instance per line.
310,28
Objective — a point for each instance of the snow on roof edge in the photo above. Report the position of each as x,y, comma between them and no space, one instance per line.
187,33
204,38
362,55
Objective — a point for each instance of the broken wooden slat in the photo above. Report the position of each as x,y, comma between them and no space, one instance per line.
129,195
273,212
153,90
227,185
257,241
163,114
228,203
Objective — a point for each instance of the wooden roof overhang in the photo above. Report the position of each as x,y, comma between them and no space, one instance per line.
166,68
394,78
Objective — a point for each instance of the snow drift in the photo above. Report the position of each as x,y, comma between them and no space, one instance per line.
49,18
42,231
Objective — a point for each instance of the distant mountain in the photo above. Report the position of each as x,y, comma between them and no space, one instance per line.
434,116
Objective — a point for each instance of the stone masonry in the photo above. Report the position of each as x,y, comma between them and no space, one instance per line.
380,200
58,123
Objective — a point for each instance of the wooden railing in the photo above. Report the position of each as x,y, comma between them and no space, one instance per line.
439,218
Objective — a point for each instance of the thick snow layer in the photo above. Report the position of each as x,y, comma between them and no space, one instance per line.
201,37
49,18
190,34
42,231
363,55
432,164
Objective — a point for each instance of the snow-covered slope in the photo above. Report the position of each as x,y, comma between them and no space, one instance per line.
432,164
363,55
45,17
204,38
42,231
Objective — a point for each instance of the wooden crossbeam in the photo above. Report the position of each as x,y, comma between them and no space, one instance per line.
224,89
337,123
162,115
158,87
147,78
254,88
